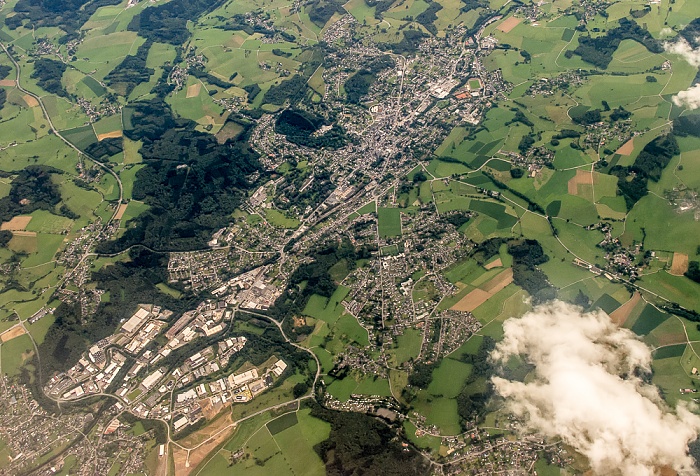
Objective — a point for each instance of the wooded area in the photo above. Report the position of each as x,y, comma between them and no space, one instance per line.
191,182
359,444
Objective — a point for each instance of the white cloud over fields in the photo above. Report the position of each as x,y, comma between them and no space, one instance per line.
681,47
579,395
691,96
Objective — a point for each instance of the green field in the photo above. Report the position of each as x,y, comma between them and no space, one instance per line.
648,320
289,449
46,222
449,378
389,222
108,124
168,290
327,309
370,207
82,137
282,423
280,220
14,353
607,303
408,345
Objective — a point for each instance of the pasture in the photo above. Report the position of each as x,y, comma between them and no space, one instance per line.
449,378
670,376
408,346
14,353
46,247
648,320
23,241
361,11
43,221
439,411
108,126
423,441
103,53
81,137
676,288
665,228
200,108
327,310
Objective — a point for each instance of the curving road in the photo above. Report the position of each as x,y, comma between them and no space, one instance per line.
58,134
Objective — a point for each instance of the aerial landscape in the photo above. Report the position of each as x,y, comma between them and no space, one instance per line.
364,237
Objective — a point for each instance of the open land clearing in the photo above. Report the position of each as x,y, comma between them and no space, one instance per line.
620,315
582,177
12,333
30,100
679,265
120,212
109,135
479,296
18,223
627,148
219,431
494,264
209,409
508,24
230,130
193,90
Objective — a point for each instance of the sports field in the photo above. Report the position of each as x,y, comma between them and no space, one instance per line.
389,222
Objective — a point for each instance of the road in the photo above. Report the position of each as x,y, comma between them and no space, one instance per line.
311,393
279,326
58,134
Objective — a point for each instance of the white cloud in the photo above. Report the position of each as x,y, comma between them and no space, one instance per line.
690,97
667,32
682,47
579,393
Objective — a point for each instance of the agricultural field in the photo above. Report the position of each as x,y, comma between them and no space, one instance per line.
284,444
490,157
14,353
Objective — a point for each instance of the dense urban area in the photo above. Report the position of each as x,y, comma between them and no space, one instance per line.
271,237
